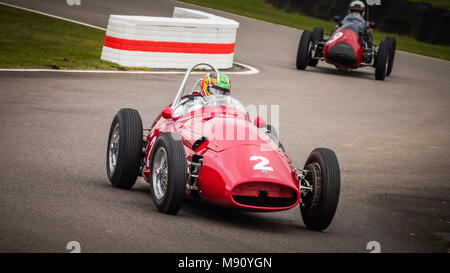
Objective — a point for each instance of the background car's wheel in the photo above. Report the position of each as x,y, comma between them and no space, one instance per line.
303,52
392,46
273,134
168,173
382,61
317,35
124,151
319,206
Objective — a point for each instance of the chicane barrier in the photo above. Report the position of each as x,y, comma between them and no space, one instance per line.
177,42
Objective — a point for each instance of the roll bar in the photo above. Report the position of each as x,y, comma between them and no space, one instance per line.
186,76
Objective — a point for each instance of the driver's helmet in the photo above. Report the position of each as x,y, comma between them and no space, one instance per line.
357,6
213,86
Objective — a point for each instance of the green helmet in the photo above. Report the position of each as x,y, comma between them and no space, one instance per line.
213,86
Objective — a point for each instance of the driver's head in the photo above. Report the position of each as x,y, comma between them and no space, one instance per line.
357,7
213,86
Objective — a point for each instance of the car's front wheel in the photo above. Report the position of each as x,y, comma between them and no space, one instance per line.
382,61
168,174
319,205
303,51
124,151
392,46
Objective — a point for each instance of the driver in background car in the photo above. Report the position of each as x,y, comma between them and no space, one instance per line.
357,10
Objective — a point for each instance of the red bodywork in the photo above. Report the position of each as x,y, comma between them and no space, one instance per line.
234,173
346,47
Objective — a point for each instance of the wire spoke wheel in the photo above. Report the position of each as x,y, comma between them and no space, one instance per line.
160,174
311,200
114,148
168,173
124,150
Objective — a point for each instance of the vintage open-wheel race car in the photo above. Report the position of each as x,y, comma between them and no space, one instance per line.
349,46
183,154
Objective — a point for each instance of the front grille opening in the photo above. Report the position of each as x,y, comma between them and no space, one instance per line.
259,194
268,202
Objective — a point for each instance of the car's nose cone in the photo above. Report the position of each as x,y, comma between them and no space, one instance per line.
250,177
342,53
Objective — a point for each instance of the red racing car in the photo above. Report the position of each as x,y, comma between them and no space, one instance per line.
207,147
349,46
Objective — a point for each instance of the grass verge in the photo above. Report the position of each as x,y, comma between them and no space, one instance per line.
259,10
30,40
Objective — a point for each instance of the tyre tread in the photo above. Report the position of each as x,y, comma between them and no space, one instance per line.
302,52
331,180
130,149
382,58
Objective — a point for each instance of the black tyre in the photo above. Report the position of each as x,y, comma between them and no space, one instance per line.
317,34
382,61
319,206
392,47
303,52
168,173
124,151
273,134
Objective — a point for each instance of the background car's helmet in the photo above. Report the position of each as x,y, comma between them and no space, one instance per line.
213,86
357,6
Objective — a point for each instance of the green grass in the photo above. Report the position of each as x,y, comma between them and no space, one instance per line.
259,10
435,3
30,40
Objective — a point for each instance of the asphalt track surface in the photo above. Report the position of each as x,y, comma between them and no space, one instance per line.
391,137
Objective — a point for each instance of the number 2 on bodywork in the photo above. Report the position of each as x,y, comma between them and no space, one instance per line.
262,165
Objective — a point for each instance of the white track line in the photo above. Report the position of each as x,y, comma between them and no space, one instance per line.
251,70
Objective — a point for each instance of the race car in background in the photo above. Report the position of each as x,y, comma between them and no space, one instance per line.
343,48
179,158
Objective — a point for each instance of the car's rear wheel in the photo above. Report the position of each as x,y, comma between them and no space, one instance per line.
303,52
168,173
392,46
319,204
382,61
124,151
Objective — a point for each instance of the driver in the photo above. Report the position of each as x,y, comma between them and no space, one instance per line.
213,86
209,88
357,10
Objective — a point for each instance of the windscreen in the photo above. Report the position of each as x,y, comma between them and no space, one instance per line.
218,100
198,102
